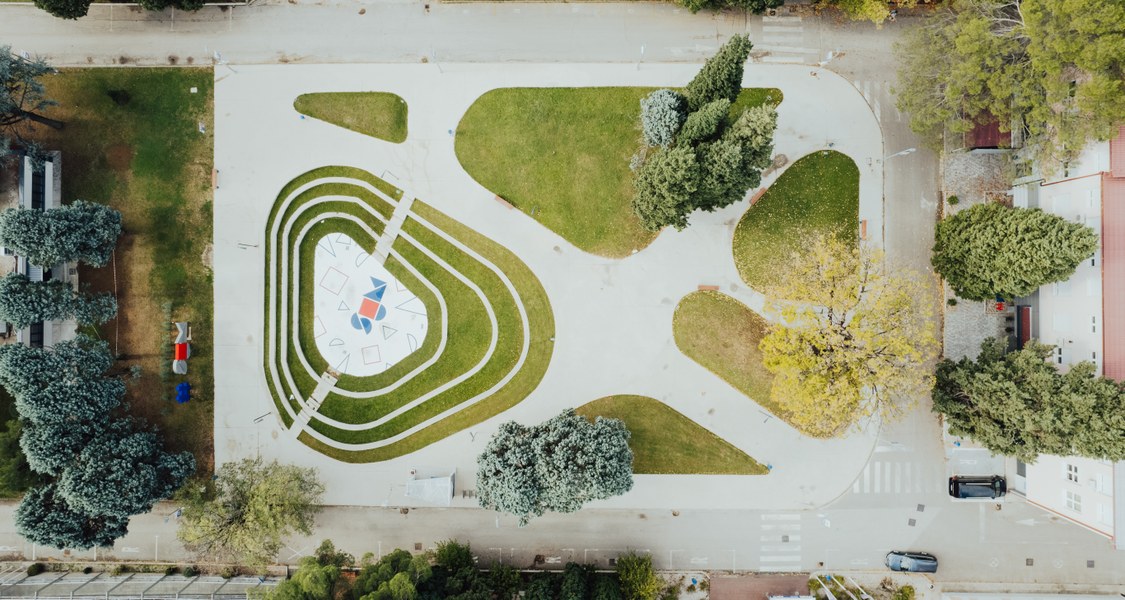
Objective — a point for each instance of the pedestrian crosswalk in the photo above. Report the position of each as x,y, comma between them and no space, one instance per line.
780,542
782,40
898,477
878,95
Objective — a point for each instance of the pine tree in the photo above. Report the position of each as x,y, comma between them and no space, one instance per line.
665,187
721,75
23,302
82,231
990,250
1018,404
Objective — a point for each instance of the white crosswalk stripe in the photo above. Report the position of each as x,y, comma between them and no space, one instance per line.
782,40
780,548
898,477
878,95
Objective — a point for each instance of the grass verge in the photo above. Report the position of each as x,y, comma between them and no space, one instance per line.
380,115
665,442
148,159
818,194
562,155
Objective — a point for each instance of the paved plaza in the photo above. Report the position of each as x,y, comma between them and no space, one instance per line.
613,318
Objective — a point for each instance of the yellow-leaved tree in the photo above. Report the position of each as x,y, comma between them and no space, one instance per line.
852,341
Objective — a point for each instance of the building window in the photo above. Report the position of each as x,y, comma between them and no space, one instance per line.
1093,324
1093,262
1073,501
1072,472
1021,468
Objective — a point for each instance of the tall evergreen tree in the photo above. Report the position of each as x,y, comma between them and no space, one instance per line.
1018,404
665,187
990,250
123,471
23,97
721,75
23,302
46,518
82,231
558,465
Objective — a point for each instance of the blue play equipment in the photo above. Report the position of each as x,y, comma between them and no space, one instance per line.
183,392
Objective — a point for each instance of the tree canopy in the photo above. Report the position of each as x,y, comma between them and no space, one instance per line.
23,96
755,6
255,506
557,465
108,468
990,250
46,518
82,231
23,302
856,342
1058,68
721,75
695,158
1019,404
123,471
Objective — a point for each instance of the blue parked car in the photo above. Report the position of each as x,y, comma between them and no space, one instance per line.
912,562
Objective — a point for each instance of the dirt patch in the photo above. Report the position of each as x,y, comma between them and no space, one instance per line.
758,587
119,157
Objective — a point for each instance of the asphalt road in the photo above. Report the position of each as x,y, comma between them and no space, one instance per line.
897,501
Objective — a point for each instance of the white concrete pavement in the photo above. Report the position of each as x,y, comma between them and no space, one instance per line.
613,317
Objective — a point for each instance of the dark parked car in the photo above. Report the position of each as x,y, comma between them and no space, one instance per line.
989,486
914,562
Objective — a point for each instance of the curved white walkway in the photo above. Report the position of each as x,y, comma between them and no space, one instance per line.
613,317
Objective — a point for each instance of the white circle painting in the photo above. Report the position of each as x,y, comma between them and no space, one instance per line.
365,319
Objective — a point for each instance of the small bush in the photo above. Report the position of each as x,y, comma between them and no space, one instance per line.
119,569
190,572
228,572
952,200
88,570
951,302
35,568
905,592
171,570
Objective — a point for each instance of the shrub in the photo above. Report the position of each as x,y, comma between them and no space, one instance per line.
190,572
171,570
662,114
952,200
35,568
951,302
228,572
905,592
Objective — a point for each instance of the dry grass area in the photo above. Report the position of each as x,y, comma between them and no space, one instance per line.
145,156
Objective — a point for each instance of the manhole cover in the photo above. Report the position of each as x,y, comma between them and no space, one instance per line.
1089,564
785,538
921,508
912,522
1029,562
417,546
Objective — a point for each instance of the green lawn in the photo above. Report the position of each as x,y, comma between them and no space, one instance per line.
562,156
816,195
469,328
377,114
148,159
665,442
